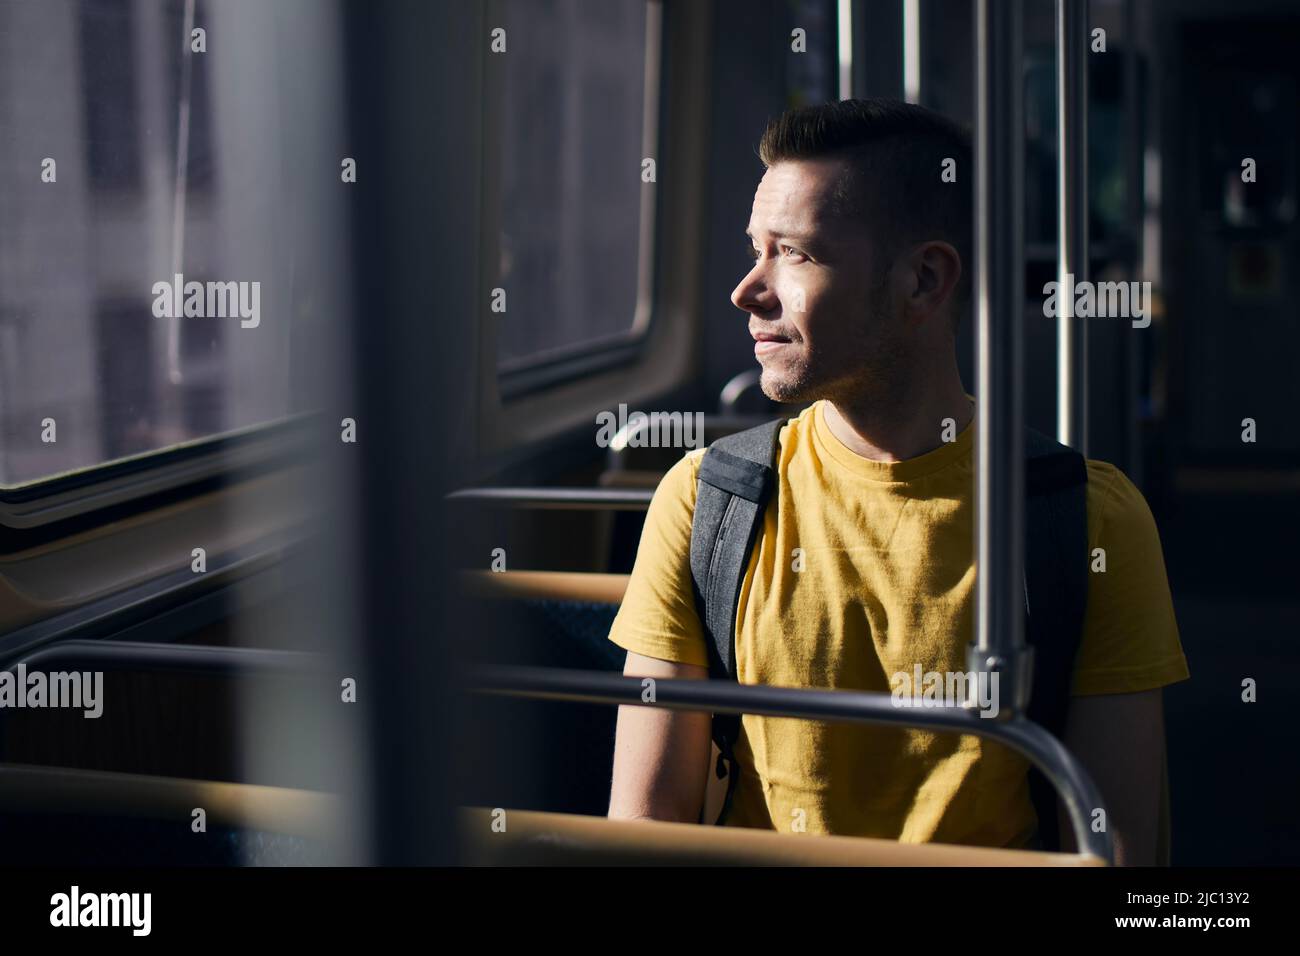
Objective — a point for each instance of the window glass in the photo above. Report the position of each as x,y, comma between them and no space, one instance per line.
572,145
139,143
1106,149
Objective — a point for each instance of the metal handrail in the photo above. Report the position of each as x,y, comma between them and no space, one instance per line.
999,645
736,387
188,658
1044,751
1072,220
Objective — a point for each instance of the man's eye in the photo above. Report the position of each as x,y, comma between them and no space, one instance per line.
790,250
752,252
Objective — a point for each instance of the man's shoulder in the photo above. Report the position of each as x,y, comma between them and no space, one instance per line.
686,468
676,489
1115,502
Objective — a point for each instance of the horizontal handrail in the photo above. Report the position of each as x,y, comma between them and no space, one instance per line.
737,386
1043,750
191,658
574,499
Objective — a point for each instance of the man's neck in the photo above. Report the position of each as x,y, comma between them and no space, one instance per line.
907,426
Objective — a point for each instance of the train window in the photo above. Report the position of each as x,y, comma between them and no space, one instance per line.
1232,190
1107,184
154,262
576,163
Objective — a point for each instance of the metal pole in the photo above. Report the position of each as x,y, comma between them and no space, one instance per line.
1044,751
845,31
999,289
1071,220
878,48
1134,158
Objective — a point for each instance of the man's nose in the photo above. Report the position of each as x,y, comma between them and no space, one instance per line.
753,293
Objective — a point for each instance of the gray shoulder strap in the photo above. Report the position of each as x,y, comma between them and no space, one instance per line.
1056,571
1056,594
736,477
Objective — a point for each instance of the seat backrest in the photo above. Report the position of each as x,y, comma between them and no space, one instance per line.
551,839
66,817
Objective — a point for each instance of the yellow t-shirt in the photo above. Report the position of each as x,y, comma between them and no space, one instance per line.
886,583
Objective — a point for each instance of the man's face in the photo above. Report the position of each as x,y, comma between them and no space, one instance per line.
819,295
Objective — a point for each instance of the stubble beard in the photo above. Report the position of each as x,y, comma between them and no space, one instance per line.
869,365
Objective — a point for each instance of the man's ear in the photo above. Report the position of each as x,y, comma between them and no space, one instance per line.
935,267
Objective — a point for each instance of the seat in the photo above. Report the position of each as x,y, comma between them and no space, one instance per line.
550,839
554,620
59,816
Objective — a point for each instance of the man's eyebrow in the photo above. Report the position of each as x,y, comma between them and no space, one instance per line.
801,239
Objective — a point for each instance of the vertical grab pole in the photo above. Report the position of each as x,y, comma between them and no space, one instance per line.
1071,220
999,647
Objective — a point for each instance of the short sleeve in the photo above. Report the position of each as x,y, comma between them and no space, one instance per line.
1130,637
657,617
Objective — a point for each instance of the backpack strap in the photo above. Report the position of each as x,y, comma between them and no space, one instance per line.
1056,594
737,475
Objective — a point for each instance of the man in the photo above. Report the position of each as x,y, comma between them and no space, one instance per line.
864,568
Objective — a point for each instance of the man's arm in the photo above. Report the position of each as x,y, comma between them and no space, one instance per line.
661,756
1120,739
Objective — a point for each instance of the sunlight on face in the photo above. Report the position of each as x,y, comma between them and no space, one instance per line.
817,297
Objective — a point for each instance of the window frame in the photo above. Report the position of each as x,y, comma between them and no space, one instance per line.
47,500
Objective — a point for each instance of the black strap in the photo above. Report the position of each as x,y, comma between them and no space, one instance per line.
1056,593
736,477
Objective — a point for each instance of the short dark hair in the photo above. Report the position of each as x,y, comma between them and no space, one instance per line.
896,152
